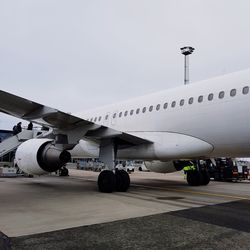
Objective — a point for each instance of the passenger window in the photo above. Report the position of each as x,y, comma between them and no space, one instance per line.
191,100
221,94
120,114
150,108
165,105
173,104
99,118
144,110
95,119
200,98
131,112
233,92
210,97
158,107
137,111
106,117
181,102
91,119
126,113
245,90
114,115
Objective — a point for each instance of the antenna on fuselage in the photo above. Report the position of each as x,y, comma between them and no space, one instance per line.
186,51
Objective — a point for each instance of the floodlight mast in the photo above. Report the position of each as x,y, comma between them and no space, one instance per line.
186,51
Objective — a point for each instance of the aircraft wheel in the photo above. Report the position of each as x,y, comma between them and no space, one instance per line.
193,178
106,181
205,178
122,180
64,172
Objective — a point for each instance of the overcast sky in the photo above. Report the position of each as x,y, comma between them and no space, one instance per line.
80,54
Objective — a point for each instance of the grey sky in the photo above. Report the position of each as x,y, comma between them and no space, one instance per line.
74,55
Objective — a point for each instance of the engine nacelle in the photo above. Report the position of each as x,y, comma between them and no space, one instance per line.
39,156
161,167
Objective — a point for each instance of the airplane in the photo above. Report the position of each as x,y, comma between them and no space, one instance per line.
202,120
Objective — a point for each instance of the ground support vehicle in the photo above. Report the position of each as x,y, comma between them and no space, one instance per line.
226,169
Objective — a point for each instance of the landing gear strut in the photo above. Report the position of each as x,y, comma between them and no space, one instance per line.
111,180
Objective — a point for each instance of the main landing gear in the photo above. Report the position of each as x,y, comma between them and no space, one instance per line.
111,180
196,177
63,171
108,181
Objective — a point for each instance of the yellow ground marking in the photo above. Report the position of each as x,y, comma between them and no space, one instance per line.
195,192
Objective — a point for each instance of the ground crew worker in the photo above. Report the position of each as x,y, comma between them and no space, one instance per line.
188,168
15,132
19,127
30,126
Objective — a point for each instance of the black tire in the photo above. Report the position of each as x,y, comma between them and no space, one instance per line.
64,172
193,178
106,181
122,180
205,178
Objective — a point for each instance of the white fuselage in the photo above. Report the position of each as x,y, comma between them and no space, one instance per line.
205,128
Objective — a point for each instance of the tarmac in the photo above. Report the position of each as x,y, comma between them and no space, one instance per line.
159,211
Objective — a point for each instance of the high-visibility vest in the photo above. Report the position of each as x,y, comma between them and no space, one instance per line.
187,168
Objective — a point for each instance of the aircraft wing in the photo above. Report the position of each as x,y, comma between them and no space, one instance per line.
28,110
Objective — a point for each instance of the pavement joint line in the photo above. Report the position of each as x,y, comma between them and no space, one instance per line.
81,178
181,190
194,192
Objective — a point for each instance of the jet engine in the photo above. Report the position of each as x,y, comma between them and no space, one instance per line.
40,156
163,167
